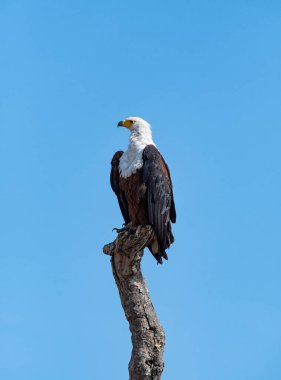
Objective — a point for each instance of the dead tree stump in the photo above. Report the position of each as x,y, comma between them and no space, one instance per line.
148,336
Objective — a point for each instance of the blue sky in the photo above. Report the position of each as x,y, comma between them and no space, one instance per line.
207,76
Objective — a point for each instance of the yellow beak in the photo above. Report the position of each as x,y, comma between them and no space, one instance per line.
125,123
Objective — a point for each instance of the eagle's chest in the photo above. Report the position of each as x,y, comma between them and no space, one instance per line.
133,187
135,194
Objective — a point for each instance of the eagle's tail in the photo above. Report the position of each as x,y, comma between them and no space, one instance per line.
157,253
158,248
158,256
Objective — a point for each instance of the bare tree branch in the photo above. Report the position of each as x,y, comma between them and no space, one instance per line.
148,336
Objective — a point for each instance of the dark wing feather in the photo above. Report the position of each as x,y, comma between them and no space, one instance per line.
160,202
114,181
173,214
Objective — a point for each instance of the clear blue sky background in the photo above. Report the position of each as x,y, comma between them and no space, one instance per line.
206,74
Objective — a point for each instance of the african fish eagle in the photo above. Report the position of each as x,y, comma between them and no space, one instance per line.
141,180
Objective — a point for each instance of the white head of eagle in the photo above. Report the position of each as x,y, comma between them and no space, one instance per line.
140,137
141,181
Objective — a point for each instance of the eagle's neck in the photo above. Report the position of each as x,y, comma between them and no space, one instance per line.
131,160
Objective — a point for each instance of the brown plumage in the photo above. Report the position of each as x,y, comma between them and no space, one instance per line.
146,198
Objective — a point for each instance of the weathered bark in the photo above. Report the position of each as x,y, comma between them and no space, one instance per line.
148,336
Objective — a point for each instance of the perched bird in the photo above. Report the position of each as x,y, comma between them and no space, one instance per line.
141,180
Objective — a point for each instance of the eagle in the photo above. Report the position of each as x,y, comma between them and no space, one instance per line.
141,180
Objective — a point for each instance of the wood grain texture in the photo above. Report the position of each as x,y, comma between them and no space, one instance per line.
148,336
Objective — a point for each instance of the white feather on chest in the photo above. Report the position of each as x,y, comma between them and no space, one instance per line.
132,160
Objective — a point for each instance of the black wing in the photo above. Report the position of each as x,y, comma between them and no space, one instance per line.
173,214
160,200
114,181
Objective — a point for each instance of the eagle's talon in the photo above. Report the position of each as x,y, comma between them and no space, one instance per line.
126,227
118,230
